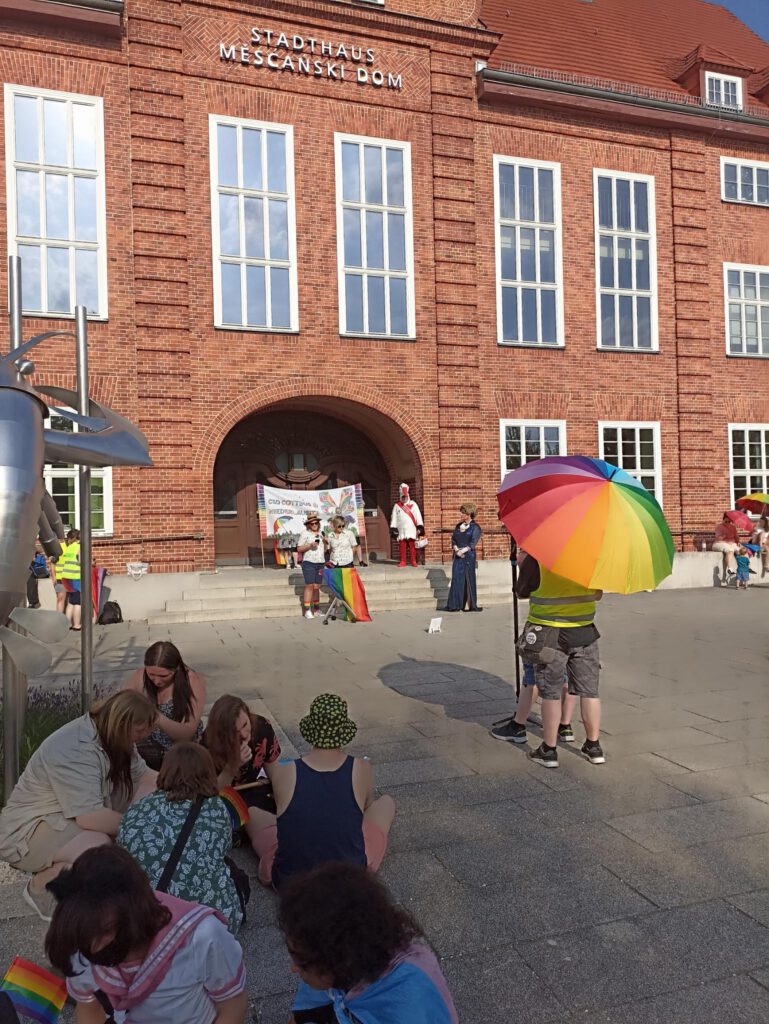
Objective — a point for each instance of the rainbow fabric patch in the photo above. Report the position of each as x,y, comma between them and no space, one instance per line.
347,586
35,993
236,806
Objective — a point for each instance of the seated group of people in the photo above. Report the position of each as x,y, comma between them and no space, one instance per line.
119,819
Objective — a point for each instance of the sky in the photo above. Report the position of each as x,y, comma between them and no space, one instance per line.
754,13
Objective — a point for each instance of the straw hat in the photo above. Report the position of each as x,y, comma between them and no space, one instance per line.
328,726
313,517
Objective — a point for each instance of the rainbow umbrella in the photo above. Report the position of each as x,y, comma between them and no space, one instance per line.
756,503
589,522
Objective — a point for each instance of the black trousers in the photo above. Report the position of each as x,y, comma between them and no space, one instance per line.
33,597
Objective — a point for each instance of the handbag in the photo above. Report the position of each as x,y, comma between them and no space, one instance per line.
181,842
242,884
538,645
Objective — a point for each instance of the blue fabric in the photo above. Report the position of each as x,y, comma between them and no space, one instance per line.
323,822
404,994
463,587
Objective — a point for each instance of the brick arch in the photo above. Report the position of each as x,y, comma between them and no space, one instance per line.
270,395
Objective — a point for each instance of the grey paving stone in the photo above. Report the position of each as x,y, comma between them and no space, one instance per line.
623,961
621,721
741,729
415,875
688,826
601,804
434,829
737,1000
745,780
655,740
405,750
273,1010
755,904
719,755
398,773
466,791
268,965
499,989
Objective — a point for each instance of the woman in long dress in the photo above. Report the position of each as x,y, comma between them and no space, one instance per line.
464,539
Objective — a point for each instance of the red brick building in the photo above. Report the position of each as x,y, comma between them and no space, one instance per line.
375,240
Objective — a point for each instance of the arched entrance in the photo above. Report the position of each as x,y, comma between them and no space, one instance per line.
309,444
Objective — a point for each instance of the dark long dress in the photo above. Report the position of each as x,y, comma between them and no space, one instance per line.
463,590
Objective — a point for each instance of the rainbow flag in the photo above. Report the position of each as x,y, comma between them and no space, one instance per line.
346,584
237,807
34,992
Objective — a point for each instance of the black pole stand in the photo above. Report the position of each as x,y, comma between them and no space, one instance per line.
514,564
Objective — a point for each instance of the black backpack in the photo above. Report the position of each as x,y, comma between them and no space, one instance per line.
110,614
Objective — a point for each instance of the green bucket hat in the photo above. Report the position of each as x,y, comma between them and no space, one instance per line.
328,725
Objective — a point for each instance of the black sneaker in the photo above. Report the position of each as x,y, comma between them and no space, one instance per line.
509,730
593,752
566,733
547,758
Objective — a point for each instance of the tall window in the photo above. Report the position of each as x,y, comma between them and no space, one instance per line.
723,91
61,481
374,232
744,182
634,447
54,148
626,257
522,441
528,229
749,459
747,310
253,225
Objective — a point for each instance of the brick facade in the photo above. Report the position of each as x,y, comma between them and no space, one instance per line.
159,360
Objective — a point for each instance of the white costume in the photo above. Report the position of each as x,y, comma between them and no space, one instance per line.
406,525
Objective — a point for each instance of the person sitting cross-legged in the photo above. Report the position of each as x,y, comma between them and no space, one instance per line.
326,810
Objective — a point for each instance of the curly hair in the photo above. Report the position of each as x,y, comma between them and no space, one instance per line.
340,920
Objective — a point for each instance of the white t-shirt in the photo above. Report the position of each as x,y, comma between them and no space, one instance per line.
342,546
314,554
207,970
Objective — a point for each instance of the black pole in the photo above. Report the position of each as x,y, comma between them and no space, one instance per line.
514,564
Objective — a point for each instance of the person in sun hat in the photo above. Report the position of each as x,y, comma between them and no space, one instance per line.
312,549
326,808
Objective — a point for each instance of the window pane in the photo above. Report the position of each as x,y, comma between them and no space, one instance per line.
533,443
526,193
353,254
396,241
87,279
56,206
547,256
529,310
606,261
510,314
28,203
762,186
84,136
354,302
507,191
605,214
398,315
30,277
765,330
735,327
278,214
279,296
58,280
623,204
749,285
350,172
746,184
375,239
626,321
85,209
372,160
644,316
751,329
507,253
55,132
730,181
229,225
608,325
733,282
546,210
641,191
547,300
528,256
231,305
251,140
256,296
227,154
26,129
376,305
642,272
63,494
763,287
395,195
276,161
624,263
253,210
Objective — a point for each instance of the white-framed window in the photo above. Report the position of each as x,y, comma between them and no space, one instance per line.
634,447
253,221
723,91
744,182
61,481
748,459
375,237
522,441
626,261
54,157
746,297
527,208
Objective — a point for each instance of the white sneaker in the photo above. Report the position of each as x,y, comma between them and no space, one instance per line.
42,903
318,614
308,614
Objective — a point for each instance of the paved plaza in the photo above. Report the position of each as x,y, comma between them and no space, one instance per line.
634,892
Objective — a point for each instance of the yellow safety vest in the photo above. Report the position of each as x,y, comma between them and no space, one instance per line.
68,567
559,602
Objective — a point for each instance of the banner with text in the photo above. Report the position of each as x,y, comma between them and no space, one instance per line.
285,511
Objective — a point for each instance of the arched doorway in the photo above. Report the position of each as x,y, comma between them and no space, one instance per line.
309,444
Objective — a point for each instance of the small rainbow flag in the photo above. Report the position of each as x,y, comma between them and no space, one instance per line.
346,584
34,992
237,807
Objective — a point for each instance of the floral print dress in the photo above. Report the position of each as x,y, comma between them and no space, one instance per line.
149,830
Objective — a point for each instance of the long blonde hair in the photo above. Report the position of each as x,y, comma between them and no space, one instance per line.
115,720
